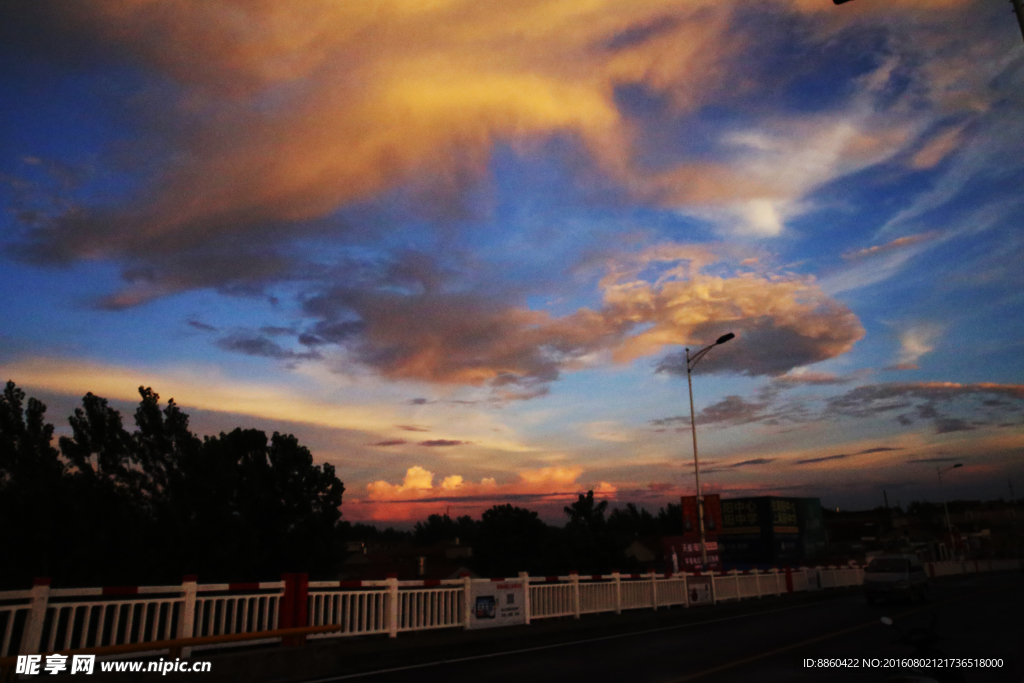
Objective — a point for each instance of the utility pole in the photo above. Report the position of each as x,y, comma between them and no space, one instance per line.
691,361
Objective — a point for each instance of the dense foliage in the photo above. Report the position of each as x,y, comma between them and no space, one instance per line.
147,506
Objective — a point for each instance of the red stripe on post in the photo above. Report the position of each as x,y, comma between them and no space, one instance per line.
431,582
286,606
350,584
190,578
121,590
41,581
551,579
243,586
301,600
499,580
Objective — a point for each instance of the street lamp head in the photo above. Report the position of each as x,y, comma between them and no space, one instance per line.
959,464
725,337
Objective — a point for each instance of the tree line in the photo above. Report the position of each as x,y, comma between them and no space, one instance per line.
509,539
109,505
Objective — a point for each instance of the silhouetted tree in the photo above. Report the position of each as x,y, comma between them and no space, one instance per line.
149,505
33,499
629,523
670,519
587,535
511,540
443,528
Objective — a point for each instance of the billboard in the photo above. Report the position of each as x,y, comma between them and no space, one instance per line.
497,603
686,548
768,529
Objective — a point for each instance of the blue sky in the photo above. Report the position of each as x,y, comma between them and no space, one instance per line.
458,249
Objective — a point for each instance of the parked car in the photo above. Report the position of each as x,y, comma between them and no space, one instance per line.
895,576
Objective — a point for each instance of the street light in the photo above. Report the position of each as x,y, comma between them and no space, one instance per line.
1018,9
949,526
691,361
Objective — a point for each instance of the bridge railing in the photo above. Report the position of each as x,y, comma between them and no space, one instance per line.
44,619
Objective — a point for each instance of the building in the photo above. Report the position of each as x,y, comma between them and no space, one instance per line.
771,531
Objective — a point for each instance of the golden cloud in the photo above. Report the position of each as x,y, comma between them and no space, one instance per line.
291,110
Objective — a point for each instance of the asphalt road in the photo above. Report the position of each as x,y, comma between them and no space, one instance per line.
976,617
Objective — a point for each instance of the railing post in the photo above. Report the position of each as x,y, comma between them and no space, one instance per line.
286,607
654,590
617,579
524,577
393,605
757,581
574,579
187,621
40,597
467,609
714,591
686,589
301,605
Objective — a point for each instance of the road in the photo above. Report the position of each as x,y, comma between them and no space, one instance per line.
977,617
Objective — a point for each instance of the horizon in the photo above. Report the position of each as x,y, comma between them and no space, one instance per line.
459,252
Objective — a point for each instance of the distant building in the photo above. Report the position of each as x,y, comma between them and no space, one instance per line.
769,530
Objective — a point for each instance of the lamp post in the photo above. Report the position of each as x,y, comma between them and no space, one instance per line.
691,361
949,525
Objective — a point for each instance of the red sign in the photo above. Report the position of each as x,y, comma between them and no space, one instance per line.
687,547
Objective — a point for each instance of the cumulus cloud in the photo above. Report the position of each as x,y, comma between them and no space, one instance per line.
661,297
543,485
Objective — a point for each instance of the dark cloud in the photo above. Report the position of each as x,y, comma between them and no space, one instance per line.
276,331
392,442
808,461
749,463
931,401
443,442
418,401
842,456
685,419
412,428
946,425
202,326
259,345
918,460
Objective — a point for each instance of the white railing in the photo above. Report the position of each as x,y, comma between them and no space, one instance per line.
552,600
358,612
47,620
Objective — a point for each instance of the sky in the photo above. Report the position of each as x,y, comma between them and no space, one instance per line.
459,247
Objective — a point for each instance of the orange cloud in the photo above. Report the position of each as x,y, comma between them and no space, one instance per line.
292,110
783,322
417,494
898,243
